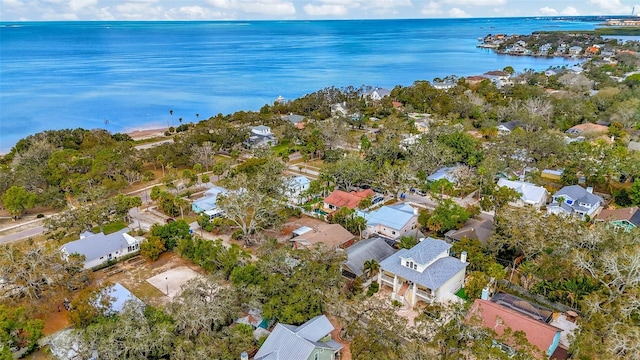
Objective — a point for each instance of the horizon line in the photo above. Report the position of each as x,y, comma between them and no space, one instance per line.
328,19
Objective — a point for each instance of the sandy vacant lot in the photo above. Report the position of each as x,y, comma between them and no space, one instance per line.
170,282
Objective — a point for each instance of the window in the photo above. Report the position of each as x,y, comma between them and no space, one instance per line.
415,266
316,356
393,232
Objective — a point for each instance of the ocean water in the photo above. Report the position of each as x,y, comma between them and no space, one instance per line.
126,75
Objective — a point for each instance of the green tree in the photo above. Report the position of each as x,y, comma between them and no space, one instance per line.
371,267
446,216
17,199
152,248
407,242
634,192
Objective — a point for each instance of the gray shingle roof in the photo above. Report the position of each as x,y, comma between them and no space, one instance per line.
93,247
425,251
579,194
289,342
375,248
432,277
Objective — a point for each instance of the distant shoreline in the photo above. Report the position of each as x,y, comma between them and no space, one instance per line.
146,133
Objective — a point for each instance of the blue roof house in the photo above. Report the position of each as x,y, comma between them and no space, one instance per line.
425,273
309,341
391,221
208,201
443,173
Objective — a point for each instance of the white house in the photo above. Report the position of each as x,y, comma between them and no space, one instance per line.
377,94
100,248
391,221
261,136
425,272
575,200
530,194
295,187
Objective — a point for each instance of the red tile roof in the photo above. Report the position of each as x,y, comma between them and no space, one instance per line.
339,198
498,318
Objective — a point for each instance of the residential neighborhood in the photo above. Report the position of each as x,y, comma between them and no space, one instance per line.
493,216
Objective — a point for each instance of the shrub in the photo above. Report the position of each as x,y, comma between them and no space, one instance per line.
39,216
373,288
237,235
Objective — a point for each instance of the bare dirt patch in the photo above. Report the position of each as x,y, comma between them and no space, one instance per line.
170,282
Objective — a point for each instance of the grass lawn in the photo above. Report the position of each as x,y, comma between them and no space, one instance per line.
462,294
110,228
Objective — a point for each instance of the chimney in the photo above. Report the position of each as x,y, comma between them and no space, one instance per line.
463,256
244,356
590,189
485,293
415,211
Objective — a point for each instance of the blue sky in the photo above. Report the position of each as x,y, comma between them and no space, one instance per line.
12,10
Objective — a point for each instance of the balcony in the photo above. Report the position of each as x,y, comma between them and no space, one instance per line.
386,278
426,295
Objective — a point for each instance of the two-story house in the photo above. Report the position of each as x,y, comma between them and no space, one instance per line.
309,341
425,272
261,136
295,188
575,200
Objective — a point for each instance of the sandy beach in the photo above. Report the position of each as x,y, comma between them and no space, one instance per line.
142,134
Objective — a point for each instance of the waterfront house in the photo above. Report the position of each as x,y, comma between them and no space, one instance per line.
99,248
309,341
498,318
425,273
391,221
530,194
375,248
443,85
338,199
626,219
575,200
331,236
499,77
575,50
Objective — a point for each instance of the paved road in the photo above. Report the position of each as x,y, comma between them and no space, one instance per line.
21,235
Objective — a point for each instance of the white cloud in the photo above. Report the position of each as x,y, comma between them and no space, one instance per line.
570,11
386,4
140,11
475,2
12,3
547,11
613,7
432,8
457,13
77,5
263,7
325,10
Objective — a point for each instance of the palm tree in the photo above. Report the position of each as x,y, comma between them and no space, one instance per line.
180,119
170,113
371,267
197,116
406,242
